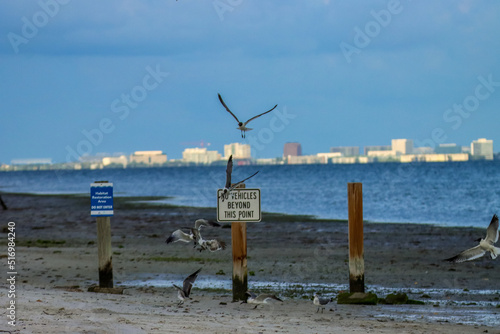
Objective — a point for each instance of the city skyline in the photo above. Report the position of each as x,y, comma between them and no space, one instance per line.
401,150
146,75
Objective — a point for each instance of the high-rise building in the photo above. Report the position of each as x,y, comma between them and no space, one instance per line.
237,150
482,149
346,151
292,149
402,146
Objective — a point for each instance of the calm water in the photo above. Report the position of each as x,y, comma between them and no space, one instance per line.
454,194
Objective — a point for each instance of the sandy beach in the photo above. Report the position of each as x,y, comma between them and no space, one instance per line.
56,263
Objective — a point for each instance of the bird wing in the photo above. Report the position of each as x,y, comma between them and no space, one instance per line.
492,230
177,287
229,171
189,281
323,300
222,101
259,115
196,235
237,184
178,235
203,222
467,255
264,297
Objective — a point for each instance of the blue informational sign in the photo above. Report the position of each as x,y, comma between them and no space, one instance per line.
101,199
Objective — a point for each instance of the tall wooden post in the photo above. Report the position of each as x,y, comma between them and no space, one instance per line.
239,245
104,252
356,253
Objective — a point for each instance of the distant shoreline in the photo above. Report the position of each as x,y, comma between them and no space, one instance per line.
147,202
75,166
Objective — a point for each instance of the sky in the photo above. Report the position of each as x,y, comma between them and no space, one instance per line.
89,77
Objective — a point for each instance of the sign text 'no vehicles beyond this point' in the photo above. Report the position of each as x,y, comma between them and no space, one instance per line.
242,205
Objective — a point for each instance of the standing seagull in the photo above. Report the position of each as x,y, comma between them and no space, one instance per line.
321,302
229,187
183,293
263,298
485,245
243,126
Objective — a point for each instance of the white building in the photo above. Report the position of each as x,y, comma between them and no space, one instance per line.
121,160
326,157
148,157
402,146
304,159
199,155
237,150
482,149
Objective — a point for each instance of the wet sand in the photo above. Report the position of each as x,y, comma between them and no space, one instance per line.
56,261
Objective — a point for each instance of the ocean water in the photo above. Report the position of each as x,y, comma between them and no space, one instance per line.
449,194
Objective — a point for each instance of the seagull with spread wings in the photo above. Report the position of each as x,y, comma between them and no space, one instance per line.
485,245
187,284
229,187
243,125
263,298
194,236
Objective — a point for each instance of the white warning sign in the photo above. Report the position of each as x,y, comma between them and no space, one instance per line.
240,205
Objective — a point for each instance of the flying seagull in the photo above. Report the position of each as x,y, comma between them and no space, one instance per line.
243,126
187,284
194,235
179,235
229,187
321,302
195,231
485,245
263,298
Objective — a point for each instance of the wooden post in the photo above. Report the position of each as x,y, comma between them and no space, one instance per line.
356,254
104,252
3,204
239,245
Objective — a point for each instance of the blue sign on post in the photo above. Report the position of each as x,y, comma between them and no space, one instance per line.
101,199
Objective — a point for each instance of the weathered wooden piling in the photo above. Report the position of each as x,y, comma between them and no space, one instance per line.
104,252
239,246
356,253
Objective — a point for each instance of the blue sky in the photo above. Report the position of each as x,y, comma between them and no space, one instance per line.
82,77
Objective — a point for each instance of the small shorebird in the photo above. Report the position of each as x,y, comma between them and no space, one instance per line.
321,302
243,126
229,187
263,298
187,284
485,245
